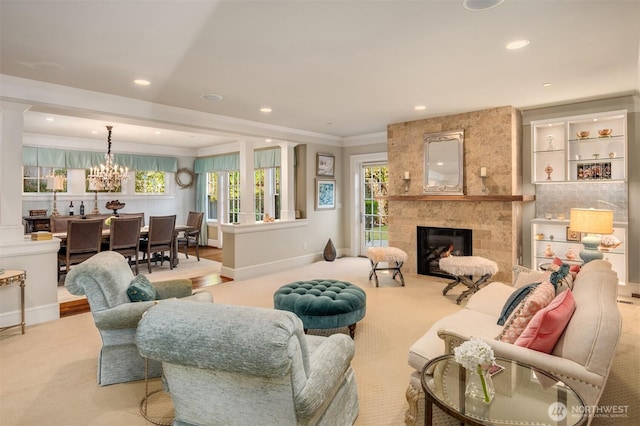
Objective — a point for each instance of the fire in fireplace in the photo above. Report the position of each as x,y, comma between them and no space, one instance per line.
436,243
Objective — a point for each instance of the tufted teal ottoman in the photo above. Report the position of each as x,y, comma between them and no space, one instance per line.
322,304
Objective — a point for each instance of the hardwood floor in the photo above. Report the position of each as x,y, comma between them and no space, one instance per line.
211,253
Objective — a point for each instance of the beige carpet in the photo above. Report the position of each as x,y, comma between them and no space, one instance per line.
47,376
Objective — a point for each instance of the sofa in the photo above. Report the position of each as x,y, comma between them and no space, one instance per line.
240,365
109,285
582,355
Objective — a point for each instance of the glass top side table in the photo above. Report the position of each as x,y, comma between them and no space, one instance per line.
8,277
524,396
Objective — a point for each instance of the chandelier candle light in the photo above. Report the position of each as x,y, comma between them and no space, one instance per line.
109,176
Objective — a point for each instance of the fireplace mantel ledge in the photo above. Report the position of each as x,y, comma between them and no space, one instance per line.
500,198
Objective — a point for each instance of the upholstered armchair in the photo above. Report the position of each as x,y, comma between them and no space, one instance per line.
226,364
107,281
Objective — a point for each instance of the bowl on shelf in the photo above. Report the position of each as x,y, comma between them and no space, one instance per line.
583,134
605,132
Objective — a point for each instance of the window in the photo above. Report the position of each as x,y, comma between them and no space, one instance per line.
233,191
34,179
212,196
267,193
150,182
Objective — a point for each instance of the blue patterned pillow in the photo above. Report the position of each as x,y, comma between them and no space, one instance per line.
514,300
141,290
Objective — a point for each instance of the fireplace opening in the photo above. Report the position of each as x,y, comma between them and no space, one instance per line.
436,243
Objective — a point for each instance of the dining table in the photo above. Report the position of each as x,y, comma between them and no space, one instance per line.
144,231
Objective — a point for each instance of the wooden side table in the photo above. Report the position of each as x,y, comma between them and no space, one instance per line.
8,277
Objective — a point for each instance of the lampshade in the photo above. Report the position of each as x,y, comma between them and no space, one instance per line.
591,221
55,183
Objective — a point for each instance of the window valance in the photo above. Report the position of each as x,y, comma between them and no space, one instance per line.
262,159
51,157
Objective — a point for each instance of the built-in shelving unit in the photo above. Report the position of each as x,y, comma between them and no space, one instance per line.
587,150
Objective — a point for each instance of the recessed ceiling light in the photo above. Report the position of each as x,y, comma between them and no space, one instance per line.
267,140
50,119
94,132
477,5
518,44
420,107
546,84
439,163
157,132
211,97
265,109
141,82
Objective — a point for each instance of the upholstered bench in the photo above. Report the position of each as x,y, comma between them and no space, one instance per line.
394,257
323,303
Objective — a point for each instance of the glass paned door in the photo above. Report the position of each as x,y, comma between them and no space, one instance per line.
375,212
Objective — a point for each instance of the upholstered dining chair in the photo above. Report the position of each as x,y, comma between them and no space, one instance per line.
192,238
107,281
83,241
124,238
160,239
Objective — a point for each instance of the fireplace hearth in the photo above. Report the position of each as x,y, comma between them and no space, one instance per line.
435,243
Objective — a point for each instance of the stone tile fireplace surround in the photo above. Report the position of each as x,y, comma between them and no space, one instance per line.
492,139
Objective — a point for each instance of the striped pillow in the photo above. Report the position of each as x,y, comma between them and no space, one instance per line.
536,300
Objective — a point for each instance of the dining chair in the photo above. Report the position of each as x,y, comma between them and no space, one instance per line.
192,238
124,238
83,241
160,239
128,215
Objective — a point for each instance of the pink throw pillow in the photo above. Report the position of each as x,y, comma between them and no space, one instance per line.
546,326
536,300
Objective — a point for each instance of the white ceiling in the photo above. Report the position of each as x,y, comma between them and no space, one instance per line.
337,68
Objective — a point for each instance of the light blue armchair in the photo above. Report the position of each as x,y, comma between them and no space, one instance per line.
104,279
236,365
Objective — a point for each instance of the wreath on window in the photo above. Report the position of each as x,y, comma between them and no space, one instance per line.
185,178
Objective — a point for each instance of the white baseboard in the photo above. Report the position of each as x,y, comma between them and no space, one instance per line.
43,313
269,268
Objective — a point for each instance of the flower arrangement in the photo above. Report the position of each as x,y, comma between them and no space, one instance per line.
476,356
108,220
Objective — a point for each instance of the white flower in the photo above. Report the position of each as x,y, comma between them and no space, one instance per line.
473,353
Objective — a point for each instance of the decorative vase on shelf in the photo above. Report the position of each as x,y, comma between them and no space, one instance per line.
548,170
548,251
570,254
479,385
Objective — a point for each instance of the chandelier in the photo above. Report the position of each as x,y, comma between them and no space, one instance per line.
109,176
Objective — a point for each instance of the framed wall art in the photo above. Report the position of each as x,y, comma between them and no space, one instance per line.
573,235
325,165
325,194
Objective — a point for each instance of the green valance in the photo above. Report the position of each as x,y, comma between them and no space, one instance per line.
50,157
262,159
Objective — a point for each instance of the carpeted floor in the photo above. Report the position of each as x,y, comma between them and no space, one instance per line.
48,375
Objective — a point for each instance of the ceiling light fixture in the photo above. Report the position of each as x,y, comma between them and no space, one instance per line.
546,84
211,97
420,107
518,44
478,5
267,140
141,82
109,176
50,119
265,109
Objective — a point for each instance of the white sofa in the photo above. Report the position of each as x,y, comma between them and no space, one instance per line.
581,358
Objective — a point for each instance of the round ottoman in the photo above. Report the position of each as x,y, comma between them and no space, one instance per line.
322,304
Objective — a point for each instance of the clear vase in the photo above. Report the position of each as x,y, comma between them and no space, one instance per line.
480,385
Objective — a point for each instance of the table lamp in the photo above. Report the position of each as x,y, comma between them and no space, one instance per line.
56,183
592,223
